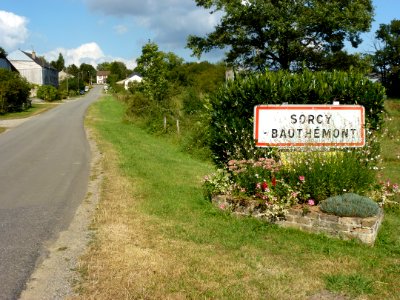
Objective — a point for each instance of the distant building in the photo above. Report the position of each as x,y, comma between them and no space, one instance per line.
63,75
34,68
101,77
134,77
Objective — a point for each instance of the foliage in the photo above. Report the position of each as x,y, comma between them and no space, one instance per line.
232,106
298,177
14,92
174,91
387,59
331,173
350,205
385,193
216,183
59,64
47,93
87,73
153,65
283,34
3,53
203,77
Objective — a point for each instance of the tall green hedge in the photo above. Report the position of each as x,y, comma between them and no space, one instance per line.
14,92
232,106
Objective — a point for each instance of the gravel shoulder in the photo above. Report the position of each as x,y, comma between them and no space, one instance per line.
12,122
55,273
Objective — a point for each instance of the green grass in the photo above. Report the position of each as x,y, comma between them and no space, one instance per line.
35,109
390,142
352,285
271,262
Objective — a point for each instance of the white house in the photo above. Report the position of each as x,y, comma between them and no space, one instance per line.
134,77
101,77
63,75
34,68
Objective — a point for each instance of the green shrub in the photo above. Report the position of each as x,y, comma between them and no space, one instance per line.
232,106
350,205
14,92
47,93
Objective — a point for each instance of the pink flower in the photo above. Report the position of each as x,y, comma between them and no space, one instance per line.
302,178
311,202
258,185
395,187
222,206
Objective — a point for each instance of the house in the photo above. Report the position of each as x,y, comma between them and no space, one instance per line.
63,75
6,64
134,77
101,77
34,68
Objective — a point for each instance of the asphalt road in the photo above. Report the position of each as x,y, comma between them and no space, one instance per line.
44,172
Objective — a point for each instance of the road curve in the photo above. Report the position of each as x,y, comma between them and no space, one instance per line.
44,170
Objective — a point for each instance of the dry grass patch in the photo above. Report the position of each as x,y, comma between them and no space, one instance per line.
130,257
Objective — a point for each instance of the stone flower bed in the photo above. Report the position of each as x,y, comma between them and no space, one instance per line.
311,219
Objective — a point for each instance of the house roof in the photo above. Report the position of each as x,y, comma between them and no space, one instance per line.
103,73
39,60
4,62
135,73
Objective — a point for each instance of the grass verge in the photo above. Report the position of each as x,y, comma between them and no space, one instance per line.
156,236
35,109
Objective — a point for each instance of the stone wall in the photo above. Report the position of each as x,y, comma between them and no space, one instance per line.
363,229
312,219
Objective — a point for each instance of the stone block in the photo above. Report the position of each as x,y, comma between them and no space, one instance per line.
351,221
329,218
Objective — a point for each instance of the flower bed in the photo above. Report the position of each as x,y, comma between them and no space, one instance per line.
310,219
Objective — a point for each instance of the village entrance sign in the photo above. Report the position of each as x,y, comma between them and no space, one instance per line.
309,125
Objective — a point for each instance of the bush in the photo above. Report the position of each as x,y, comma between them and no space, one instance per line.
48,93
14,92
350,205
232,106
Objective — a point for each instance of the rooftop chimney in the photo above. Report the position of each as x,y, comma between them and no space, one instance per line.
33,54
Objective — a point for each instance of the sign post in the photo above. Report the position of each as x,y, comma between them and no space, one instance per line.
309,126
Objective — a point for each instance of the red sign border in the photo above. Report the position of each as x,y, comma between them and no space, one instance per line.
359,108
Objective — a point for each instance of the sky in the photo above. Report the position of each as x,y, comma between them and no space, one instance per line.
96,31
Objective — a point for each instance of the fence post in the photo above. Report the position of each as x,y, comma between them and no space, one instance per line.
178,130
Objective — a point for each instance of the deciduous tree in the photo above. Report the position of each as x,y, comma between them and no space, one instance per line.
283,34
59,64
387,58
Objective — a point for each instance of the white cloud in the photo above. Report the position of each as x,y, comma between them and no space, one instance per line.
170,22
13,31
89,53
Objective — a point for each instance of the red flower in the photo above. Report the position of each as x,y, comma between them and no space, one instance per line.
273,181
264,186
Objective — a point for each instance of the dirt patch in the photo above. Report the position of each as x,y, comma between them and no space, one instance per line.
55,276
12,122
